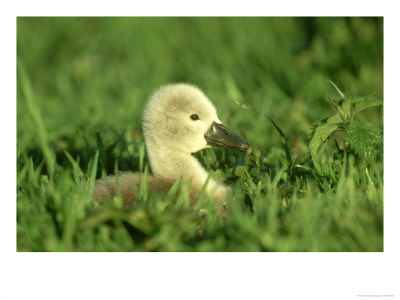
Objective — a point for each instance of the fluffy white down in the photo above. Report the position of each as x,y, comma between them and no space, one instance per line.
171,135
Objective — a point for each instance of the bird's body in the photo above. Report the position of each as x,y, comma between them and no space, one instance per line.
178,120
127,182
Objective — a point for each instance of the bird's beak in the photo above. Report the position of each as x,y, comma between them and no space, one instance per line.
220,136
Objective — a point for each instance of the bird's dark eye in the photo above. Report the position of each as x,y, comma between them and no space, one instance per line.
194,117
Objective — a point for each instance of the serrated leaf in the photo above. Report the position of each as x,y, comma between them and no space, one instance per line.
361,103
322,132
335,103
347,108
342,103
364,139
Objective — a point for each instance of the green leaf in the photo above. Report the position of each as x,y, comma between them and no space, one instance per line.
316,163
361,103
347,109
322,132
364,139
341,103
337,89
336,104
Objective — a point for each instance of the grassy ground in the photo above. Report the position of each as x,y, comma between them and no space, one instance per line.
82,85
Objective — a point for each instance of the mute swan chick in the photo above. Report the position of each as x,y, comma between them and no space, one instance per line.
178,120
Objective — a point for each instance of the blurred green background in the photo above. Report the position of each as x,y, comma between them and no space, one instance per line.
89,74
90,78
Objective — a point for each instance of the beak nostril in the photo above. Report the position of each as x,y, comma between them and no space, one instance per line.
220,136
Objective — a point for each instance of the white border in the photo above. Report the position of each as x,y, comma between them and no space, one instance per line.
197,275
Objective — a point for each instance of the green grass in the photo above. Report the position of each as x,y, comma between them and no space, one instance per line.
82,85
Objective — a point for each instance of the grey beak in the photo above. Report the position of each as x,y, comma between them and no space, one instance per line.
220,136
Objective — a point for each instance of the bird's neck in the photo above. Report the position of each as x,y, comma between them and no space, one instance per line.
173,164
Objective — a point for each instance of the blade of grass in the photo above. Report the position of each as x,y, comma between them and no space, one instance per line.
75,166
92,177
37,119
337,89
284,139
